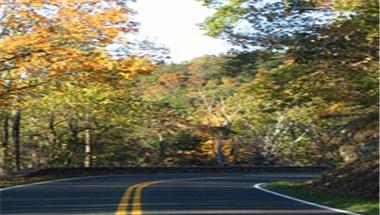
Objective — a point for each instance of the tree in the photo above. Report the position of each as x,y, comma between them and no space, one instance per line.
311,69
46,43
271,25
56,39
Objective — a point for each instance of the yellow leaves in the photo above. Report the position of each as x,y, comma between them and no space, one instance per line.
228,81
111,32
110,65
135,65
337,106
110,17
67,43
126,76
59,67
169,80
88,65
289,61
103,55
346,5
212,120
208,147
33,3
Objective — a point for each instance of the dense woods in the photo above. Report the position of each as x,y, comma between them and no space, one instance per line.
299,89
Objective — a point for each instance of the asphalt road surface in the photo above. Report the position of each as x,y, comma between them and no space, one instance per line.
159,194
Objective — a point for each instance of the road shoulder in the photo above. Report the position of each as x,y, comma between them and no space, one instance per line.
327,200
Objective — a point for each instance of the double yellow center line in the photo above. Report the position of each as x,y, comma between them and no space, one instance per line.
130,203
135,207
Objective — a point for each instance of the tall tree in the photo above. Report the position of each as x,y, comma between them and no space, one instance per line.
265,24
55,39
52,42
16,137
4,149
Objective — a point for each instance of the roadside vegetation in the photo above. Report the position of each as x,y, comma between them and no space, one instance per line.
299,89
14,181
337,200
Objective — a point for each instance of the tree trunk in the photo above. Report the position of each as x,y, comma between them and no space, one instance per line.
291,146
16,137
219,156
87,142
73,125
161,145
52,129
4,145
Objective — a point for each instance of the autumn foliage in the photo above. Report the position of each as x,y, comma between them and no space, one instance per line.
44,40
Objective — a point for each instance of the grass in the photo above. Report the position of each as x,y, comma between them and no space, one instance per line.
27,180
22,180
341,201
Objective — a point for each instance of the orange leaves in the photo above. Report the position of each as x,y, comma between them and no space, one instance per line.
98,24
66,41
212,120
33,3
67,38
133,66
169,80
80,18
111,32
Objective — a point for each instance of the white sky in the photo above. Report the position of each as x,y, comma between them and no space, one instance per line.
173,23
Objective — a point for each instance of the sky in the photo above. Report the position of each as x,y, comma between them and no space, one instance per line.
173,23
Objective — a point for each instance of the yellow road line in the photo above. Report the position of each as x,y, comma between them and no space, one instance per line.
137,188
136,205
136,210
123,205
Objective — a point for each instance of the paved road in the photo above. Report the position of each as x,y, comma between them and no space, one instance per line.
156,194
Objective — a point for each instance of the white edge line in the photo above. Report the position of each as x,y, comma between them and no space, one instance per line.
258,186
83,177
52,181
77,178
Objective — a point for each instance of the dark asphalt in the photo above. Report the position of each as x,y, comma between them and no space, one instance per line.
203,194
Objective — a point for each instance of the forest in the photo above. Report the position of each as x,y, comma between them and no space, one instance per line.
299,89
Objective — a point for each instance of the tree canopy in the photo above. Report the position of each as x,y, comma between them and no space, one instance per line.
45,40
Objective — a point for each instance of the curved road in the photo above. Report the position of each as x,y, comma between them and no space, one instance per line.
159,194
